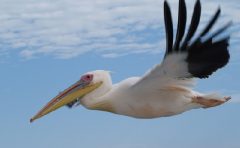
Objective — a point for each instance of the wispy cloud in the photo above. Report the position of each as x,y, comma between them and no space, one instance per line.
233,93
235,97
66,29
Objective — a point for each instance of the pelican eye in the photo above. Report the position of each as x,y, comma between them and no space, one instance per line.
87,78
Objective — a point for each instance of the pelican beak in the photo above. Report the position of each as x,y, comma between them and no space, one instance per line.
77,90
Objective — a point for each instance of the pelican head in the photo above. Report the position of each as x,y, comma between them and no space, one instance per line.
91,86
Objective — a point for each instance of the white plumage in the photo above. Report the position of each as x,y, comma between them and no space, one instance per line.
167,88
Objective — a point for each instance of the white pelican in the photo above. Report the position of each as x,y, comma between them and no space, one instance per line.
167,88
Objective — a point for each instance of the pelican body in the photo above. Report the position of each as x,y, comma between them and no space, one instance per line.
166,89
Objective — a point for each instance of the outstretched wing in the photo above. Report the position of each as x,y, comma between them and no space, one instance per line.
188,58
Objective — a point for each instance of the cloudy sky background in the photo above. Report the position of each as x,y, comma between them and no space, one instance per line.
46,45
66,29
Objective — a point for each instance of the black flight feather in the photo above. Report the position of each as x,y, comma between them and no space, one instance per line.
211,22
220,30
194,24
182,18
168,27
203,56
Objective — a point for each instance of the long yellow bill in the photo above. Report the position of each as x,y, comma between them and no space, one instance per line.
77,90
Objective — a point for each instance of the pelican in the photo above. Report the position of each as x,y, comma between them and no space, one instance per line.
166,89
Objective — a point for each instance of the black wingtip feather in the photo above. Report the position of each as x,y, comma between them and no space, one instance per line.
203,56
168,27
211,22
182,19
193,25
221,30
207,58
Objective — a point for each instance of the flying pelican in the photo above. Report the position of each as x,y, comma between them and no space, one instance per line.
166,89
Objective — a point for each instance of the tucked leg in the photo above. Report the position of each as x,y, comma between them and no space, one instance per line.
207,102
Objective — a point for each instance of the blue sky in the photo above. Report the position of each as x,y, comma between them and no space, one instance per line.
46,45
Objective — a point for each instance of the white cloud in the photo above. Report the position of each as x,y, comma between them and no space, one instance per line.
69,28
235,98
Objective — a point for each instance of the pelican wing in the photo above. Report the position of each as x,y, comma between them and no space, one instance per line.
188,58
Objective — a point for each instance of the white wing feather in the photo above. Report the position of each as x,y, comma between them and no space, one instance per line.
173,71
